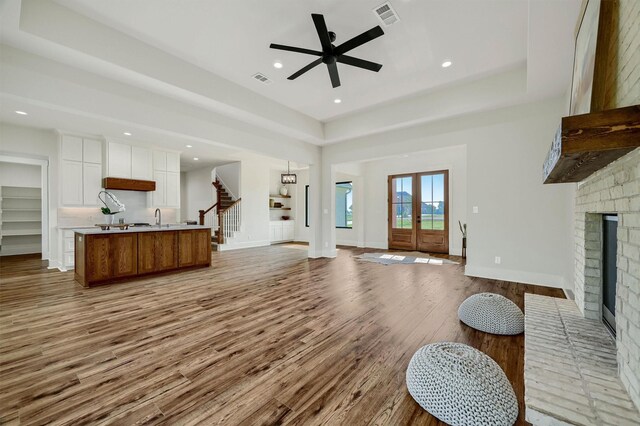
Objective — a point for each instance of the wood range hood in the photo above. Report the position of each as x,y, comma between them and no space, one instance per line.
586,143
128,184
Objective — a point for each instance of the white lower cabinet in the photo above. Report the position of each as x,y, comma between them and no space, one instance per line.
67,253
281,230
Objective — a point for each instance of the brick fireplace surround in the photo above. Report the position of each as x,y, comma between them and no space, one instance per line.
614,189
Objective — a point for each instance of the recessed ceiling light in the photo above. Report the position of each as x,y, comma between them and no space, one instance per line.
277,64
127,134
21,113
337,101
189,146
195,158
446,64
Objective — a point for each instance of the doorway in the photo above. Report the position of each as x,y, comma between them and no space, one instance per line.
418,208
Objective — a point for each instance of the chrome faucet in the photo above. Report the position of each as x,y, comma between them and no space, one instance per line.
158,216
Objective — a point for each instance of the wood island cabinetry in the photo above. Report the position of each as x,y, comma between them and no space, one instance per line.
157,251
104,257
195,248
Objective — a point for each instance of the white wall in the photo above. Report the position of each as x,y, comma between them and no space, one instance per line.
254,191
452,158
199,193
230,175
526,223
25,175
301,231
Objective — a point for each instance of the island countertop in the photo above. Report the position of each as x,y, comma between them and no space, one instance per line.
136,229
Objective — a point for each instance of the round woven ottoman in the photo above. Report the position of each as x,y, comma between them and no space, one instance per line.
491,313
461,386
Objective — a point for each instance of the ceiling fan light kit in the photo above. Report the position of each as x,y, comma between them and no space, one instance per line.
330,54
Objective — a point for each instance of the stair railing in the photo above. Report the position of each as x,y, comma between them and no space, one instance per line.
229,221
209,217
212,218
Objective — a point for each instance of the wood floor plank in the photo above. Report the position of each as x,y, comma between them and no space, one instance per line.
264,336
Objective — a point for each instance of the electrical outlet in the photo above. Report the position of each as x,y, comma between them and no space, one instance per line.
326,244
498,260
475,209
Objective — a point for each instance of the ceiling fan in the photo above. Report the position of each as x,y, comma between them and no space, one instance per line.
331,54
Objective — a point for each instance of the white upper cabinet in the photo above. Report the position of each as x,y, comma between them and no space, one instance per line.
81,176
159,196
91,183
71,148
166,173
71,179
92,151
119,160
160,160
173,189
141,163
173,162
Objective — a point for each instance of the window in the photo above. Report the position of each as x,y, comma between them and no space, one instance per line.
306,206
432,202
402,202
344,205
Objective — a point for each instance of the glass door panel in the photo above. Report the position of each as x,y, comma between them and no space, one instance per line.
402,202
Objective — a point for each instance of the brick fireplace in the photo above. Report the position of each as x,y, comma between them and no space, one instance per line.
614,189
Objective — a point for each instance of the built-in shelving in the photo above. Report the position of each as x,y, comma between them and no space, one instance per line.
20,220
279,196
279,208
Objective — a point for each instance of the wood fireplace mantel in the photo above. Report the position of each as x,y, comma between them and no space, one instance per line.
586,143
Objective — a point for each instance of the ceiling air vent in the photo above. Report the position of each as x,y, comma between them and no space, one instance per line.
386,14
262,78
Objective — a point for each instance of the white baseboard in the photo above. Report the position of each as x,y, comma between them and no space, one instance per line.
349,243
376,245
243,245
54,264
546,280
329,253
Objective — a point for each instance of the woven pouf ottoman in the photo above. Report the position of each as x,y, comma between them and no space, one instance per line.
461,386
491,313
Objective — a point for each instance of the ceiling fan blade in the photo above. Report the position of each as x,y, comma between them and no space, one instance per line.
360,63
333,73
305,69
295,49
323,33
359,40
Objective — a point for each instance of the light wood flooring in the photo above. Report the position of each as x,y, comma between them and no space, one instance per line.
264,336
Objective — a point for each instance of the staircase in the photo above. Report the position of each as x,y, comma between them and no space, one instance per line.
224,216
225,201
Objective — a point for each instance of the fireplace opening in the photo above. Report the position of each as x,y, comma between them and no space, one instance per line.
609,270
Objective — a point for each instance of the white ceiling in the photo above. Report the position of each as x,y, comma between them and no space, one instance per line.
231,39
179,72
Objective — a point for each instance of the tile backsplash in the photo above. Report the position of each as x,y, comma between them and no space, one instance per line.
136,210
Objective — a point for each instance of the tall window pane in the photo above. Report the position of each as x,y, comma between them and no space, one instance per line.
344,205
306,206
402,202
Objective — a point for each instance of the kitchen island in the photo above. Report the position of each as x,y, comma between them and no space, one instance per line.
102,257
